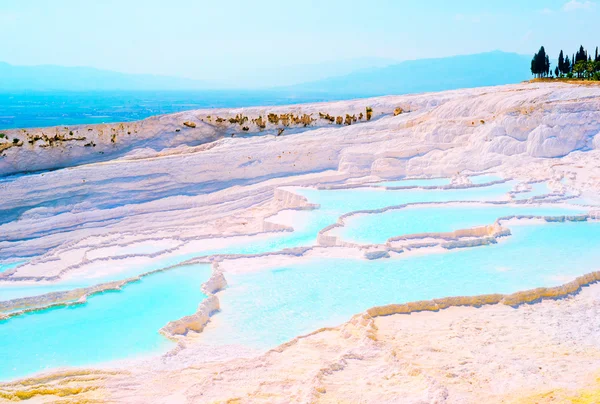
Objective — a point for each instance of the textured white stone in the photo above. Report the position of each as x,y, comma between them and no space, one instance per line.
179,190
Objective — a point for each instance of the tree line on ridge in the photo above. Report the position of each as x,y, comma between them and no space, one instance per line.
581,65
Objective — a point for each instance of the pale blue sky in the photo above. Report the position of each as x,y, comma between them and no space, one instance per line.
218,40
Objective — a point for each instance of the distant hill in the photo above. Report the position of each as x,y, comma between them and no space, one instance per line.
424,75
60,78
289,75
15,78
349,78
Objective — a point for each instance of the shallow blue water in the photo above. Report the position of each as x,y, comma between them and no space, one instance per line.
378,228
263,309
333,204
94,332
111,325
484,178
239,245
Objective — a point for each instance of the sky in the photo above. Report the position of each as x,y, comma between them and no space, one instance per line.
237,41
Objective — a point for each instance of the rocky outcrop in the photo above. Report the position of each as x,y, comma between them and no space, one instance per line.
195,322
216,282
209,306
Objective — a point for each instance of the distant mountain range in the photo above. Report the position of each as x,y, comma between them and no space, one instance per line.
283,76
424,75
484,69
60,78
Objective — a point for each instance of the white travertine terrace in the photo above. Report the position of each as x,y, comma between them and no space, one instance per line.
526,130
158,187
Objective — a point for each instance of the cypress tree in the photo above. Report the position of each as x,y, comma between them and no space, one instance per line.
534,64
540,65
561,62
567,66
597,58
581,55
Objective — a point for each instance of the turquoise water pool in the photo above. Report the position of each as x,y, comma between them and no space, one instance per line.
264,309
378,228
308,223
125,324
111,325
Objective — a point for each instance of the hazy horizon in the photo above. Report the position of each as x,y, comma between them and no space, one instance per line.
239,44
301,74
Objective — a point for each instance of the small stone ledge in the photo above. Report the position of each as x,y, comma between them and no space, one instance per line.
514,299
16,307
